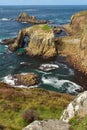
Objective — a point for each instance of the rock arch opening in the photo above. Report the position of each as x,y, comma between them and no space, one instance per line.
25,41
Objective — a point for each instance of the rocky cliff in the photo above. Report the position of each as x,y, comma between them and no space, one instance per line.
78,23
40,41
24,17
74,46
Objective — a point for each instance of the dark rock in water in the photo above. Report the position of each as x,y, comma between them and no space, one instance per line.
29,79
23,17
48,125
8,41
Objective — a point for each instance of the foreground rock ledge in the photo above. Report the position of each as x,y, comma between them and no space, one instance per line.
78,107
48,125
40,41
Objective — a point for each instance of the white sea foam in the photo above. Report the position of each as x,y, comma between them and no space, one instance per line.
5,19
9,80
30,10
48,67
6,46
56,83
23,22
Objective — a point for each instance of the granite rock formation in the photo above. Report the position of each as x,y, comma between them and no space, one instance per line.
24,17
40,41
74,46
78,107
48,125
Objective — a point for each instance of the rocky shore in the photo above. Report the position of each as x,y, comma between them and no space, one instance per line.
74,46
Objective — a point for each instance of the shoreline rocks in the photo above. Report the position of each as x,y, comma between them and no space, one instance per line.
74,46
26,79
24,17
8,41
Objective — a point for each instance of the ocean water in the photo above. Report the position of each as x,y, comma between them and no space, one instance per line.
61,78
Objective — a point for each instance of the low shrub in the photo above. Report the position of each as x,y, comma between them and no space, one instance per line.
30,116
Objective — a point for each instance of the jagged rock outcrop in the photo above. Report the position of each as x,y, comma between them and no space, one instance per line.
74,46
26,79
40,41
78,107
24,17
78,23
48,125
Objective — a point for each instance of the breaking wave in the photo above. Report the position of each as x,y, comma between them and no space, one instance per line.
62,85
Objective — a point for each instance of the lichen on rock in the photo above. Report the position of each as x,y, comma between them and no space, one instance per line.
78,107
48,125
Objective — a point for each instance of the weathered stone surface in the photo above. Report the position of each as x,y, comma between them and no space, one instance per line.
57,30
26,79
78,23
77,107
48,125
41,41
75,45
23,17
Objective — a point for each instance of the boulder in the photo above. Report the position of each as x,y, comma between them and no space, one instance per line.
40,41
48,125
26,79
24,17
78,107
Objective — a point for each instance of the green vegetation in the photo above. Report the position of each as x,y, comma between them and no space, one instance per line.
46,27
82,13
20,50
14,102
78,123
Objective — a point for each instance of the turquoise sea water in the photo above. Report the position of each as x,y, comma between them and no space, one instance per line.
61,79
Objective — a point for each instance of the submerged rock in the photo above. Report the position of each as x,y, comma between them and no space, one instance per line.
78,107
40,41
24,17
48,125
26,79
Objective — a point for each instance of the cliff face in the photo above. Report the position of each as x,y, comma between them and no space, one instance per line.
40,41
78,23
75,45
